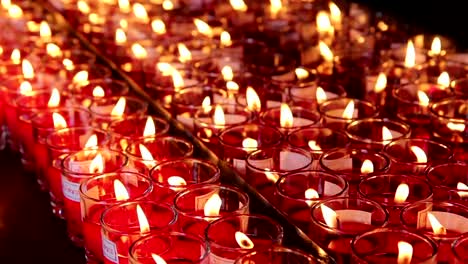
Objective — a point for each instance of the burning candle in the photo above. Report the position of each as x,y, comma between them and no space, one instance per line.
123,224
106,110
248,232
172,176
277,254
337,113
289,118
449,181
197,206
84,92
101,192
310,97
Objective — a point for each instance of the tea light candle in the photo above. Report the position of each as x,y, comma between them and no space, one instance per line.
289,118
337,113
310,97
277,254
449,182
107,110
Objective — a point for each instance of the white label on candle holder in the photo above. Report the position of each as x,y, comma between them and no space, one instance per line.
214,259
292,161
186,120
239,165
109,249
358,216
71,189
451,221
330,189
201,200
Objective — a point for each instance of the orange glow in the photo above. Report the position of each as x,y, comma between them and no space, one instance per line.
25,88
401,193
68,64
213,206
227,73
97,164
253,100
168,5
6,4
218,117
243,240
184,53
158,26
405,252
225,39
323,23
335,13
463,190
15,56
98,92
53,50
249,144
381,83
59,121
119,108
54,100
458,127
203,28
444,79
28,70
15,12
232,87
150,128
124,6
275,7
238,5
83,7
145,153
177,80
120,36
286,116
206,104
165,68
329,216
81,78
121,193
301,73
421,156
139,51
410,58
367,167
140,12
271,176
45,32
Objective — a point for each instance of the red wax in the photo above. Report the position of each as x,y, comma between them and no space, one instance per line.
92,232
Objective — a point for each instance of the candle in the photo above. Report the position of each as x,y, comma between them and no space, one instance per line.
288,119
449,182
84,92
107,110
277,254
337,113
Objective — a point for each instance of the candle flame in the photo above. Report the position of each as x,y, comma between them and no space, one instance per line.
444,79
320,95
323,23
348,112
145,153
6,4
157,259
54,100
286,116
275,7
203,28
168,5
213,206
335,13
59,121
44,31
218,117
381,83
25,88
253,100
423,99
81,78
139,51
140,12
68,64
15,56
271,176
249,144
83,7
410,58
301,73
227,73
382,25
142,220
243,240
436,46
437,227
206,104
458,127
98,92
158,26
401,193
121,193
314,146
150,128
53,50
176,181
367,167
421,156
15,12
28,70
177,80
120,36
232,86
165,68
225,39
463,193
311,194
329,216
97,164
184,53
325,52
386,135
405,252
124,6
92,142
238,5
119,107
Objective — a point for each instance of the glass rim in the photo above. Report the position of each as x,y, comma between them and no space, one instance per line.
241,126
277,248
328,102
447,101
368,140
431,169
143,104
361,150
79,128
73,174
432,142
294,109
156,119
463,238
318,128
279,148
156,138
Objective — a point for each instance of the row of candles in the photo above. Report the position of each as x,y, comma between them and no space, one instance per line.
341,169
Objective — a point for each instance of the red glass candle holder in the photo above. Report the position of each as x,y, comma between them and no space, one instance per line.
122,132
352,217
197,206
232,236
450,125
413,107
77,167
334,116
188,101
393,192
172,176
310,96
272,64
101,192
403,155
171,247
382,245
277,255
122,225
459,249
59,144
375,133
265,167
297,192
300,77
317,140
354,164
209,122
301,118
161,149
441,221
209,70
449,181
101,110
86,92
235,143
43,124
